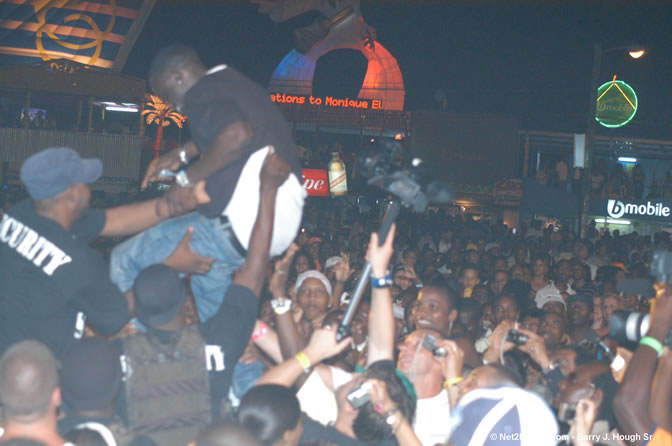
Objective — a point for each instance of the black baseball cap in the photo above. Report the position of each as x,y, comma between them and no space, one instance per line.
159,294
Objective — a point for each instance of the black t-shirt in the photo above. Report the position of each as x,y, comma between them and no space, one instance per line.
49,275
220,99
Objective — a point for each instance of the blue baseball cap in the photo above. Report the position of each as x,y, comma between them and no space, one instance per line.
51,171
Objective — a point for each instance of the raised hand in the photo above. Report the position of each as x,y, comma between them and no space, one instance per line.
278,284
379,256
582,424
274,171
323,345
453,362
535,347
342,271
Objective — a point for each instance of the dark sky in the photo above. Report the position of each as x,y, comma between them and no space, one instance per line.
486,57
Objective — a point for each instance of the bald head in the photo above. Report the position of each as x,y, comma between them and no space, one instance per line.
174,70
172,58
28,378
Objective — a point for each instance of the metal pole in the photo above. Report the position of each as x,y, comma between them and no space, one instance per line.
388,219
584,203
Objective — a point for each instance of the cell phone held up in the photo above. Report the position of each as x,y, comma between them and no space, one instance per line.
516,337
567,412
429,342
359,396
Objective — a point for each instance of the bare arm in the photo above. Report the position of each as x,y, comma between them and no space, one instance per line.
661,407
227,147
402,429
322,345
631,403
273,173
381,317
452,364
291,340
342,272
133,218
268,342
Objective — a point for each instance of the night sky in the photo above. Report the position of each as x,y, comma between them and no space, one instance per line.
504,57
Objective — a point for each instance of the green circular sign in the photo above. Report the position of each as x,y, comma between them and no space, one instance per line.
616,104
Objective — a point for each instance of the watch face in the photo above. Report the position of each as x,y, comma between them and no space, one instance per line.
281,305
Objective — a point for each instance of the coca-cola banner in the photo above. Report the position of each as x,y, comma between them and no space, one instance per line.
315,182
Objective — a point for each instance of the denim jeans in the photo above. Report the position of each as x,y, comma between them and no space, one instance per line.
155,244
245,376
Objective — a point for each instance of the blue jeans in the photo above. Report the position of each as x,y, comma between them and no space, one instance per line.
245,376
155,244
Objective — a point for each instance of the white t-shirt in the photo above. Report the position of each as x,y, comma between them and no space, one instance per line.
551,290
244,205
431,419
317,399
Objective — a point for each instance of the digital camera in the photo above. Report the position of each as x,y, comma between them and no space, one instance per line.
516,337
429,342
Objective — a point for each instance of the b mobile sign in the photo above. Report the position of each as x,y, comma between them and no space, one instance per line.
618,209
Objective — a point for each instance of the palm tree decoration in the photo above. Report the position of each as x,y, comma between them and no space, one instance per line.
161,114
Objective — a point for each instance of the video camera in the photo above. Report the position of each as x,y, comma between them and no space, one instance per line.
412,188
410,182
631,326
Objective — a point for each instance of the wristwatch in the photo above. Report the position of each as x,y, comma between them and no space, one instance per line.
183,156
391,417
281,305
182,179
382,282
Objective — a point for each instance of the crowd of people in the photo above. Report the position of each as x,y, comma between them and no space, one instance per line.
220,320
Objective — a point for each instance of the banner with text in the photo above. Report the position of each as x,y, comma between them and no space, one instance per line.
316,182
373,104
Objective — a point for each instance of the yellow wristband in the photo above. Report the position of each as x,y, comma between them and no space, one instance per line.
452,381
304,361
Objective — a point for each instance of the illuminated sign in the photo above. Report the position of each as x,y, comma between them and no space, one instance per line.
373,104
315,182
616,104
617,209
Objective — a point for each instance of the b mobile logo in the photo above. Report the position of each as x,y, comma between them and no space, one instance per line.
616,209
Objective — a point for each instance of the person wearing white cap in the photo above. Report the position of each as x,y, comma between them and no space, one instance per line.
313,291
552,303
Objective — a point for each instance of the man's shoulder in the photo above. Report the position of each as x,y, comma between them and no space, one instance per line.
218,84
